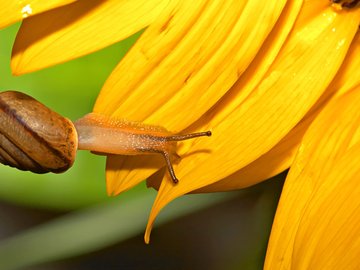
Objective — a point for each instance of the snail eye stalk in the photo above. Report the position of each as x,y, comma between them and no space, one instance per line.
176,138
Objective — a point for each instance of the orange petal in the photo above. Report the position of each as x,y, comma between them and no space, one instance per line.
16,10
276,105
327,140
78,29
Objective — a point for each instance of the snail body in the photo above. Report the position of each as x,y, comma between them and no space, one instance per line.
37,139
122,137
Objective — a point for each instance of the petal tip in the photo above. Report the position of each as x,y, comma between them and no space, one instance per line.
148,233
17,68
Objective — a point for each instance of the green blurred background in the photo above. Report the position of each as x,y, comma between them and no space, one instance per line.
66,221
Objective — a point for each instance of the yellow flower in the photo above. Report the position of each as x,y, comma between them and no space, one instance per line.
316,224
256,75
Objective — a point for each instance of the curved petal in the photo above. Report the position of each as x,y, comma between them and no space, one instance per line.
189,59
276,105
282,155
324,144
328,235
78,29
120,174
16,10
250,78
350,73
185,61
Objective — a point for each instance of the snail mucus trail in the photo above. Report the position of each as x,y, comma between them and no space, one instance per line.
35,138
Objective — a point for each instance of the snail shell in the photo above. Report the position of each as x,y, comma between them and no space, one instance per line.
33,137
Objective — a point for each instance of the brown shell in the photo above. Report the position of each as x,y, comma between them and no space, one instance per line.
33,137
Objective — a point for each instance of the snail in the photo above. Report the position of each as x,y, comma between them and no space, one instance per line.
35,138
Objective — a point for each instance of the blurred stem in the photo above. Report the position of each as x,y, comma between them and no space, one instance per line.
92,229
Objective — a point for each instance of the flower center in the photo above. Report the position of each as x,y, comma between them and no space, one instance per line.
347,4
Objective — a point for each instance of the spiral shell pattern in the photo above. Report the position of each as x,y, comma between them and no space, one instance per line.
33,137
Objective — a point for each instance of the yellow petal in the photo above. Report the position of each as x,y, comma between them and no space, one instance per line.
120,175
326,141
16,10
247,82
349,74
282,155
328,235
276,105
185,62
78,29
154,76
